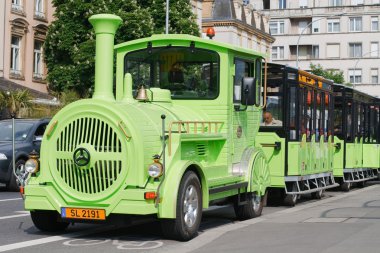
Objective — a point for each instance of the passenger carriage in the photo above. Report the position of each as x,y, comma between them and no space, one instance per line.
300,149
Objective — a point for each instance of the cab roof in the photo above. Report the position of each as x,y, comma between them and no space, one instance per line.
170,38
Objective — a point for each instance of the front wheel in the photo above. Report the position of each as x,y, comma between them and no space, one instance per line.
48,221
189,210
251,209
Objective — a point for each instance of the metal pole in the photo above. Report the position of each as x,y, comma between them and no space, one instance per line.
309,24
13,145
167,18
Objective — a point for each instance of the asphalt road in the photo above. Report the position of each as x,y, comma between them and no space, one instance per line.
340,222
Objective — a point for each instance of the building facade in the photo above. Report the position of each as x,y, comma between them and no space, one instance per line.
23,28
236,22
338,34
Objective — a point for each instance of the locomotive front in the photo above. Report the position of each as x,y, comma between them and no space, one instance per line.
97,153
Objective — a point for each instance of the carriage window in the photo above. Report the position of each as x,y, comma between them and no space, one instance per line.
292,114
318,115
310,114
273,114
349,122
189,73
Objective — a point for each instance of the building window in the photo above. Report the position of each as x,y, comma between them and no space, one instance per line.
356,24
355,50
374,49
316,26
277,53
357,2
15,55
39,9
302,26
303,3
333,25
333,51
37,67
315,52
335,2
355,75
277,27
374,23
17,5
282,4
374,76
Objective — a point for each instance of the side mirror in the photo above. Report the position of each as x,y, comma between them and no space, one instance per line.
248,91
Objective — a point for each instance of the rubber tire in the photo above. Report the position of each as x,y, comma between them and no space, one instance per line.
290,199
346,186
246,211
176,228
47,221
318,194
12,184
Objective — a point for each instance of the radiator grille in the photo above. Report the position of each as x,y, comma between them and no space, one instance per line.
104,172
89,130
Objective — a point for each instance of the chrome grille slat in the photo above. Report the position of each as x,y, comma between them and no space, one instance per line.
104,139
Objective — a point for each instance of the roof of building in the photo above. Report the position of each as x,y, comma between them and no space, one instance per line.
7,85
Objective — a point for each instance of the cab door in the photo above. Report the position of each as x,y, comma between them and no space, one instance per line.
245,118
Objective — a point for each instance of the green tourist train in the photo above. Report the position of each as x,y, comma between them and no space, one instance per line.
178,134
357,137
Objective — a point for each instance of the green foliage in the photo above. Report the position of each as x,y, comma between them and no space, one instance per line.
181,17
335,75
70,44
15,101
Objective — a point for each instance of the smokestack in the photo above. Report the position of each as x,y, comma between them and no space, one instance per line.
105,26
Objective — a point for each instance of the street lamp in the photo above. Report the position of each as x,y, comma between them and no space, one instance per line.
167,18
309,24
356,64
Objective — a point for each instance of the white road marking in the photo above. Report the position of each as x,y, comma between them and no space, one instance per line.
21,214
4,200
50,239
212,234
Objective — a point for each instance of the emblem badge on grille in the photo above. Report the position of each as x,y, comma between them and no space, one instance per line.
81,157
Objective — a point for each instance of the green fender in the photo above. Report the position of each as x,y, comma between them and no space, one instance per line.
170,186
258,175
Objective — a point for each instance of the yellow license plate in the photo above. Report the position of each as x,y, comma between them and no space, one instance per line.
83,213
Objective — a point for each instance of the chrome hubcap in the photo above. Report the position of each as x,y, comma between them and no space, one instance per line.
190,204
256,200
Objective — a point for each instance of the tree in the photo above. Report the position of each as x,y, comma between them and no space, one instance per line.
70,44
182,20
16,100
334,75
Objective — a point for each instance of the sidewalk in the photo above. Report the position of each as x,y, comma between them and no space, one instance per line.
347,222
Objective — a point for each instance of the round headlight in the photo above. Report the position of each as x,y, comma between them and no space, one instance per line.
155,170
31,166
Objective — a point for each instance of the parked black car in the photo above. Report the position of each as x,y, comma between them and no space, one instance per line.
28,136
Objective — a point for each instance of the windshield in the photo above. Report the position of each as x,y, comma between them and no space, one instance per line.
21,131
189,73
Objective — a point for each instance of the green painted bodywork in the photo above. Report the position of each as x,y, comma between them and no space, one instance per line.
134,136
358,155
304,158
